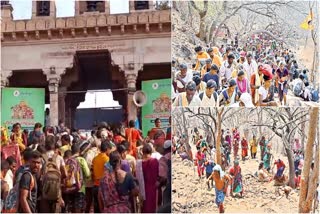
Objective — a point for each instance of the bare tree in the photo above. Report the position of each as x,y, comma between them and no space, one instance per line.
310,177
285,122
202,13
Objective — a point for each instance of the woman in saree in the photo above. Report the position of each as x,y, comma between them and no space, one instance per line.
147,173
235,172
267,157
116,187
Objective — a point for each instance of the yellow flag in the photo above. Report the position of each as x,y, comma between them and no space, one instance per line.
307,23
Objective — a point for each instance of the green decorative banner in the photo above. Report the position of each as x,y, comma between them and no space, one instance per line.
22,105
158,103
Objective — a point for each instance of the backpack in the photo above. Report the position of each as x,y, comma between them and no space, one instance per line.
51,180
314,95
225,94
297,88
11,204
215,95
74,180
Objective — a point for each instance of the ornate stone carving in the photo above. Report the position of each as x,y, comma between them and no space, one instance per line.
143,18
91,21
20,26
10,26
85,32
122,29
54,73
131,79
60,23
31,25
14,37
101,21
73,33
155,17
40,24
165,16
71,23
80,22
122,19
3,26
111,20
49,34
135,22
25,35
61,33
160,27
50,24
134,28
37,34
97,31
132,19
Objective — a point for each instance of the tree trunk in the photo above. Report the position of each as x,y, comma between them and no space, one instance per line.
174,5
305,202
218,138
260,120
291,167
186,143
303,127
202,29
190,15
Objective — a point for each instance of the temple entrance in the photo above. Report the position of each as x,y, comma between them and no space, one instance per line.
92,72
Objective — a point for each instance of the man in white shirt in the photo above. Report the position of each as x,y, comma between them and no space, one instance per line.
6,174
183,77
209,98
187,98
227,68
250,66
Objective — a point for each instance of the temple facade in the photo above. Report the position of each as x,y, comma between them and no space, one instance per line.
93,50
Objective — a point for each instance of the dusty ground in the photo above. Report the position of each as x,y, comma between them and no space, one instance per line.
190,195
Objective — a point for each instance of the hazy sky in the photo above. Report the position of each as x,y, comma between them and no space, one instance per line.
22,9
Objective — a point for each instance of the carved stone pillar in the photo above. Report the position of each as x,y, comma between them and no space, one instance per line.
62,103
54,102
53,78
131,79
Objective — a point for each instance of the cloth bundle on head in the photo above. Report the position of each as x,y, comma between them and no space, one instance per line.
236,162
243,54
246,99
167,144
267,71
219,169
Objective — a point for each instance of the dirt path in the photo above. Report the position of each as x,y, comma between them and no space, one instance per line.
192,195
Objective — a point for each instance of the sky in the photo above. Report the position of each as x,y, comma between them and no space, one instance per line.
22,9
98,100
